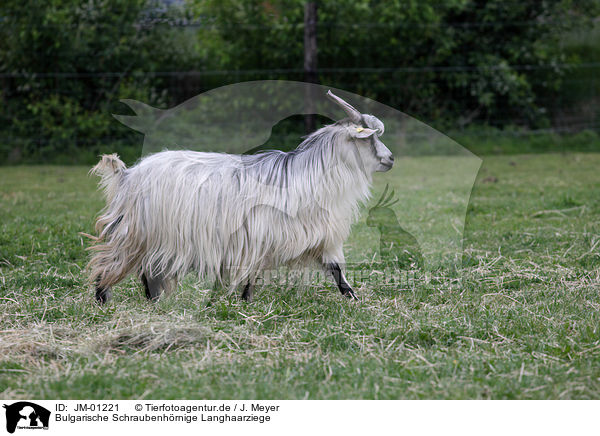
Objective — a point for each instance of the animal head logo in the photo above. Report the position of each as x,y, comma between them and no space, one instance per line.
434,173
397,247
26,415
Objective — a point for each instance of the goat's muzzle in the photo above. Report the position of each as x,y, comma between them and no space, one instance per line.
386,164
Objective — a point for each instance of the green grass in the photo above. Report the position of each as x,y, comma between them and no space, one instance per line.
520,319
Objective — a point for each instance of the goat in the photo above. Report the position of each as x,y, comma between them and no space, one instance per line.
228,217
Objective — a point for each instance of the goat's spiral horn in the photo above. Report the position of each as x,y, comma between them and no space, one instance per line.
354,115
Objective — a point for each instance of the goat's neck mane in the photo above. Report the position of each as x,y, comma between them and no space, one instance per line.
315,166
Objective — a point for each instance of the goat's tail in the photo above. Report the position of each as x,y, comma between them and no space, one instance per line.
110,169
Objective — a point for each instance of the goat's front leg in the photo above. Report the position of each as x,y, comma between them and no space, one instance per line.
248,291
340,280
331,263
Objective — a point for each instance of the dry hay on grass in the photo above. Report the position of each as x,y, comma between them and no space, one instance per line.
38,345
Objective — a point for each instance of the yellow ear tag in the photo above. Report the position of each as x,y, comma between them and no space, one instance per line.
359,129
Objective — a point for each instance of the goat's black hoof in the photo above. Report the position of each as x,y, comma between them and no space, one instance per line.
102,295
247,298
247,293
350,295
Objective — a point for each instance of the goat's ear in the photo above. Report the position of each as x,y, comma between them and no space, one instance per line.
361,132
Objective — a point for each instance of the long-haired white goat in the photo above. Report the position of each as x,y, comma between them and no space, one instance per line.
228,217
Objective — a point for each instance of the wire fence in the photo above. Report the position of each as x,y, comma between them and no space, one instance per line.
271,71
576,108
181,85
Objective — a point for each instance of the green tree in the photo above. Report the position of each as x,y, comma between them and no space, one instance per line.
460,59
66,64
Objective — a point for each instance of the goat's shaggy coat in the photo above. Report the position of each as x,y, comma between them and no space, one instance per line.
228,217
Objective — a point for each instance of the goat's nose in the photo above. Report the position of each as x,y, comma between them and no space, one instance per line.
391,158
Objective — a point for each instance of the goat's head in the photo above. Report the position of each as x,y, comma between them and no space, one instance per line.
363,132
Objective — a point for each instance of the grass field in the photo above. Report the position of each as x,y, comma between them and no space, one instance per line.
519,320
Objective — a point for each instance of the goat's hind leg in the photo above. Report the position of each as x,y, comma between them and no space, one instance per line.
154,286
103,293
